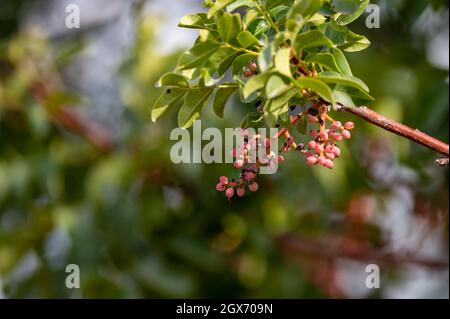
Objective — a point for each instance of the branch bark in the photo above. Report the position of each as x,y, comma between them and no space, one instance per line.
392,126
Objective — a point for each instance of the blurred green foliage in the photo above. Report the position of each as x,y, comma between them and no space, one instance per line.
140,226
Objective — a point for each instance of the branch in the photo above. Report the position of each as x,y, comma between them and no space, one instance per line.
392,126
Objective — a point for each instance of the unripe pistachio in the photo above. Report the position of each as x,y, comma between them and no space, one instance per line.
253,187
349,126
223,180
229,192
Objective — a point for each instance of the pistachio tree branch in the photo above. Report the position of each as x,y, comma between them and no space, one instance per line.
392,126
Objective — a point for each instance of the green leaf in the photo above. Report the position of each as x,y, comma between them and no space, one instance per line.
317,86
335,78
326,60
197,55
274,108
195,21
265,60
355,42
311,38
169,99
304,8
222,59
341,61
218,5
220,100
249,17
246,39
345,6
282,64
275,86
229,26
345,19
241,61
254,84
253,119
172,79
258,27
336,33
195,102
350,96
240,3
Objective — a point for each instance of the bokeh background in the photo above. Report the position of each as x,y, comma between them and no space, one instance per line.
86,178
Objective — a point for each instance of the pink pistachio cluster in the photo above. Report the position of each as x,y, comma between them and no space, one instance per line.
322,149
247,159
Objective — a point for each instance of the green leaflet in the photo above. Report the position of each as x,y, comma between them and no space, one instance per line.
241,61
345,19
281,61
197,55
219,5
335,78
246,39
229,26
170,98
326,60
172,79
195,102
317,86
220,100
275,86
254,84
311,38
195,21
341,61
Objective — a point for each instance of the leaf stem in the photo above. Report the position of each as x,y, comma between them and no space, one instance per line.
269,19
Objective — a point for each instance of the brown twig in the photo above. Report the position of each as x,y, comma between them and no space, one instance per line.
392,126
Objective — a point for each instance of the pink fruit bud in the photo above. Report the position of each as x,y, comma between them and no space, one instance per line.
349,126
311,160
240,192
248,176
329,148
331,156
229,192
314,134
337,151
223,180
323,136
337,137
280,159
312,145
319,149
238,164
321,160
346,134
253,187
220,187
328,163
